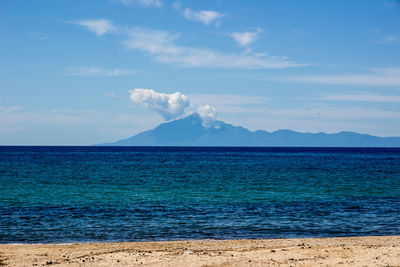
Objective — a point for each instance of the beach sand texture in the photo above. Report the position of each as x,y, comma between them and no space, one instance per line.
349,251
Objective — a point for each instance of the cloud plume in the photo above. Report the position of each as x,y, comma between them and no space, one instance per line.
207,114
171,106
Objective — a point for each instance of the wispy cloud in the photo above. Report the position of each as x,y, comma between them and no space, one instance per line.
35,126
16,115
143,3
389,39
384,38
376,77
37,35
335,113
203,16
110,94
232,104
10,109
95,71
245,38
97,26
162,45
391,3
229,99
363,98
177,5
238,105
301,34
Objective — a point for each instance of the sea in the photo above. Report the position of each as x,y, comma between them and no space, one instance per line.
103,194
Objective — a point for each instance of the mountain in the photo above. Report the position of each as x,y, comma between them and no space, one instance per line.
191,131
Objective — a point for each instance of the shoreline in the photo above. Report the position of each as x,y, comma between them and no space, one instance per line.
197,240
331,251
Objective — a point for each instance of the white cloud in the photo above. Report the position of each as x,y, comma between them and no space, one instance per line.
154,42
389,39
10,109
162,45
245,38
235,106
335,113
98,26
177,5
317,113
364,98
172,106
378,77
232,104
228,99
246,107
37,35
391,3
110,94
169,106
95,71
144,3
203,16
208,114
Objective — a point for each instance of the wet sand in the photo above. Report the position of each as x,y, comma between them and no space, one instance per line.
350,251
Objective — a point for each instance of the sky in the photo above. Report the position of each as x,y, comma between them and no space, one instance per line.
87,72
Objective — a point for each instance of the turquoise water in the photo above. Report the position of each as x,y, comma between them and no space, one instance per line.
80,194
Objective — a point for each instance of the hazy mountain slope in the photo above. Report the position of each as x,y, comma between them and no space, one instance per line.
190,131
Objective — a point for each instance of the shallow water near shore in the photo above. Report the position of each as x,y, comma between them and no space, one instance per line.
82,194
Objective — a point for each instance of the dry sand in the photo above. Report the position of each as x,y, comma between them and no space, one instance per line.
351,251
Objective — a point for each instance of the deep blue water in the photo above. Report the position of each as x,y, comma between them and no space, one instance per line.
80,194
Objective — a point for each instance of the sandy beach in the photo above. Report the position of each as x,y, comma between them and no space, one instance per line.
349,251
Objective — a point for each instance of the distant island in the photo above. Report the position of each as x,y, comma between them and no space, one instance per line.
193,131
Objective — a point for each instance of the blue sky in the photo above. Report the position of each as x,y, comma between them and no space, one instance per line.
66,67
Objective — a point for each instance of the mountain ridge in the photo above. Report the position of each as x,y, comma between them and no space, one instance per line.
193,131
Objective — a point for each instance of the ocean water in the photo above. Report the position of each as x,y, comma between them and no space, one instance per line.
82,194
